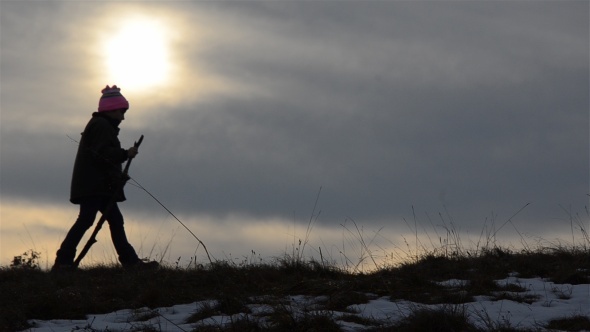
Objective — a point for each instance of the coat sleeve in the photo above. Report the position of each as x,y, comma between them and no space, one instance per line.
105,142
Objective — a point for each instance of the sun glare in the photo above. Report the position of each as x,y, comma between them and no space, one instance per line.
137,55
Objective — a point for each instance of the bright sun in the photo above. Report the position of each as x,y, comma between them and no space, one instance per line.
137,55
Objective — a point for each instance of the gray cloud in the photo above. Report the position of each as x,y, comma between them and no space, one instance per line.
479,107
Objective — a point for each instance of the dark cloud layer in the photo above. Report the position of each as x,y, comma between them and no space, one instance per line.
476,107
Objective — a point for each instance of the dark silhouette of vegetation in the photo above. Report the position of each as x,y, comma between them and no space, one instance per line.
31,293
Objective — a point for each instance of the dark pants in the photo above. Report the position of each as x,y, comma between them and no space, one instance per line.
89,208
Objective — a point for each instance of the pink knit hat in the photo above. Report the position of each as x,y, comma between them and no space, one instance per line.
112,100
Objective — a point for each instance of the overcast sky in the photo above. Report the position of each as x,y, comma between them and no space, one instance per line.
468,109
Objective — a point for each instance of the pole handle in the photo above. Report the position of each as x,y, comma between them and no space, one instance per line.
135,145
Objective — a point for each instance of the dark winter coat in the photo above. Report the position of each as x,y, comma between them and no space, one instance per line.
98,166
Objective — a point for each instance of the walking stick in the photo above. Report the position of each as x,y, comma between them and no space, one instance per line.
92,240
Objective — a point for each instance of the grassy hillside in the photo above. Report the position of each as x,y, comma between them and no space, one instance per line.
28,292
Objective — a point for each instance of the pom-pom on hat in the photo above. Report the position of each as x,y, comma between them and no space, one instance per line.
112,100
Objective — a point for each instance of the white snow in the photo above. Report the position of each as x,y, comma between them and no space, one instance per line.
549,301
